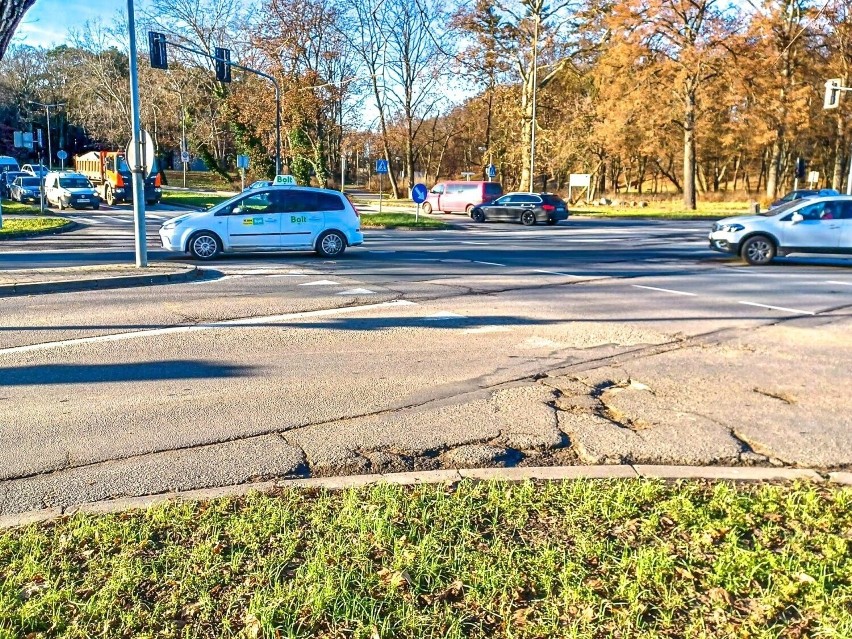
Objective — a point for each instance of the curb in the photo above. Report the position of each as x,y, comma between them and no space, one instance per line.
129,281
516,474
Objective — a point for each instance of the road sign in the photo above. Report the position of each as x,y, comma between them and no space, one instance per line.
242,161
381,167
185,157
813,177
492,171
419,193
147,160
62,155
284,180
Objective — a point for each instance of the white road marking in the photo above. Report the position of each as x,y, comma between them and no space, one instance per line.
247,322
556,273
663,290
839,282
488,263
454,261
358,291
288,275
477,243
320,283
779,308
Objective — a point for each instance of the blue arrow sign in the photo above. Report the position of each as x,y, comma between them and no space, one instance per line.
419,193
492,171
381,166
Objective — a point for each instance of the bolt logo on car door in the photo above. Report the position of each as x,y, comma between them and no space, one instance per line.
298,219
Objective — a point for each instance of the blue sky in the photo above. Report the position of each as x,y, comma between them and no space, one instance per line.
50,21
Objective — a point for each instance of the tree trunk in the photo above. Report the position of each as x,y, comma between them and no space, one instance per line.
689,197
526,133
11,13
774,165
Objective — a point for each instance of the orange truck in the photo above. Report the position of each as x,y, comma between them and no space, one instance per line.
112,177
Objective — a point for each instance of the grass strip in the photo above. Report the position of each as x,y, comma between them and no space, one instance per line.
621,558
191,200
201,180
399,221
10,207
667,210
28,227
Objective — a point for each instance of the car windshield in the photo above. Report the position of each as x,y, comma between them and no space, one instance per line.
780,209
30,181
75,183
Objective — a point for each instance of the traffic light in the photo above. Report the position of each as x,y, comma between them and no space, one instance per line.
801,168
157,50
832,94
223,64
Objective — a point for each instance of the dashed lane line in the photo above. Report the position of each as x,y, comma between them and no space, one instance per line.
538,270
488,263
237,323
779,308
664,290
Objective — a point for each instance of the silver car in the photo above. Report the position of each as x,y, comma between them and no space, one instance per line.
814,225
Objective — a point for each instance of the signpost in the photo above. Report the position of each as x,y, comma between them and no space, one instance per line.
242,165
146,160
580,181
381,169
467,175
62,155
419,194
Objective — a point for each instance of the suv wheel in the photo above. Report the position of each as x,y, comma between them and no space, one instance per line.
528,218
758,250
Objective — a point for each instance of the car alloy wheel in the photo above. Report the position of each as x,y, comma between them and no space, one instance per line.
758,250
477,215
204,246
331,244
528,218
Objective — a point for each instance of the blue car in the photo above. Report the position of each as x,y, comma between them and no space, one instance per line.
26,188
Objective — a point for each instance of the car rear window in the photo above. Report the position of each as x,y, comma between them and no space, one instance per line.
328,202
311,201
553,199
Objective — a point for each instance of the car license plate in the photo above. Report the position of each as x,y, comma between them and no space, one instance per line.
560,209
83,199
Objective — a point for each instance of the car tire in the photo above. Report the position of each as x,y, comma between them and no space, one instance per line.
331,244
109,196
758,250
61,204
205,245
469,208
477,215
427,208
528,218
96,207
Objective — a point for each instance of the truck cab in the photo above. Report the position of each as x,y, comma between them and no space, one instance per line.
112,177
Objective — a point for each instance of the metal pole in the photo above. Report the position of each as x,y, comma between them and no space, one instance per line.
534,92
138,180
49,146
342,171
381,188
796,184
183,148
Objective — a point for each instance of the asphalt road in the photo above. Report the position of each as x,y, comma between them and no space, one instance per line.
597,341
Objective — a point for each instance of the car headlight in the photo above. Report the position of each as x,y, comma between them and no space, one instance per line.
731,228
170,224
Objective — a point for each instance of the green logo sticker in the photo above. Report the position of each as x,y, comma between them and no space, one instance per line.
257,221
298,219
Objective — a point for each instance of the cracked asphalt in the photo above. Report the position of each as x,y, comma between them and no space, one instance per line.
592,342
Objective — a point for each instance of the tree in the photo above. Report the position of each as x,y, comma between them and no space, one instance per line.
11,14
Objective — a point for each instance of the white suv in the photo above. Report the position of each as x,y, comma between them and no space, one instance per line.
272,218
817,225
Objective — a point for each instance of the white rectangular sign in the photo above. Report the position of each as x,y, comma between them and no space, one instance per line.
813,177
580,180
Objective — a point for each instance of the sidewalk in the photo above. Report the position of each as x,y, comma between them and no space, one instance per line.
85,278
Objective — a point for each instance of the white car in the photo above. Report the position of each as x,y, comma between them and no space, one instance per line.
274,218
37,170
815,225
68,189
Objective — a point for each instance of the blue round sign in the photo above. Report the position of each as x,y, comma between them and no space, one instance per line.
419,193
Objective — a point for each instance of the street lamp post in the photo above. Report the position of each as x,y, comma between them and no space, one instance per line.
534,96
136,140
47,108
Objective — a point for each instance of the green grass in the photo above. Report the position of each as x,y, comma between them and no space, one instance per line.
399,221
11,207
31,226
388,201
199,180
574,559
191,200
669,210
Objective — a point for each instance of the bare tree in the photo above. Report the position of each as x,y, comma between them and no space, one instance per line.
11,14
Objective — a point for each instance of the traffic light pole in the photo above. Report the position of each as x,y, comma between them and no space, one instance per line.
136,140
256,72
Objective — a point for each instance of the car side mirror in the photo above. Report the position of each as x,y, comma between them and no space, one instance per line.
797,217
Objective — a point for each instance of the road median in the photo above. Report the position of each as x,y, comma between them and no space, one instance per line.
87,278
17,228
